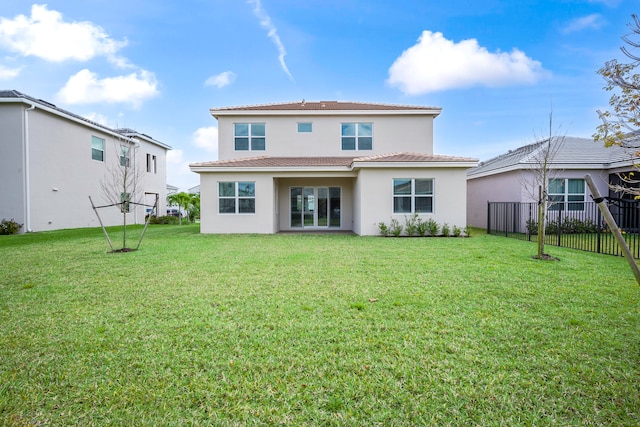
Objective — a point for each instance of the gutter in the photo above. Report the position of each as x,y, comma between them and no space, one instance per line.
26,170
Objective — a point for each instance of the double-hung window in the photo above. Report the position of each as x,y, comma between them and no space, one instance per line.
412,195
236,197
249,136
566,194
357,136
97,148
125,159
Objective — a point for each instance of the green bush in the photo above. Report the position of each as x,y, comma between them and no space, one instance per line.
384,229
395,227
565,226
446,231
9,226
432,227
456,231
173,220
411,224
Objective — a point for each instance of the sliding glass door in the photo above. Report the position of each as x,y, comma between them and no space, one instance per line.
315,207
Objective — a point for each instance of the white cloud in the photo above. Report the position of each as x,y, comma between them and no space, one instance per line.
7,73
272,33
221,80
174,157
594,21
436,64
47,36
207,139
84,88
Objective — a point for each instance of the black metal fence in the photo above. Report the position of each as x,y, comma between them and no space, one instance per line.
576,225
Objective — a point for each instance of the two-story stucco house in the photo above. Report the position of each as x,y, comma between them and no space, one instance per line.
328,165
52,160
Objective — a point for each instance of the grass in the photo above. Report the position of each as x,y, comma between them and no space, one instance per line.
313,330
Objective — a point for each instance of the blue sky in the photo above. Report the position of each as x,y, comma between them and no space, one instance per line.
496,67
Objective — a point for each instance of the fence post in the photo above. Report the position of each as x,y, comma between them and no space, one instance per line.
599,233
488,217
560,225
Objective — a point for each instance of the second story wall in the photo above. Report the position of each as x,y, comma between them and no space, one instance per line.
322,135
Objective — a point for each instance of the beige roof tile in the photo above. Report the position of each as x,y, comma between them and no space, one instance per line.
325,106
301,162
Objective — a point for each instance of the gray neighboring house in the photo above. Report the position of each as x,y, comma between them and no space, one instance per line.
52,160
510,177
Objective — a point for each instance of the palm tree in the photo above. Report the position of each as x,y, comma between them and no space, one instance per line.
183,200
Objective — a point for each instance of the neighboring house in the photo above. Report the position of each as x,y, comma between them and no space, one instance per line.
328,165
194,190
52,160
511,176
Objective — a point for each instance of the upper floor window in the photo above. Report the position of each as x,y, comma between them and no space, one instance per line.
236,197
97,148
412,195
151,163
249,136
357,136
125,160
566,194
305,127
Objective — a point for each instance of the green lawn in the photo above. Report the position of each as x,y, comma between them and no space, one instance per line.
313,330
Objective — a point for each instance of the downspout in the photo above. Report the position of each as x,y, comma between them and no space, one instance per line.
27,171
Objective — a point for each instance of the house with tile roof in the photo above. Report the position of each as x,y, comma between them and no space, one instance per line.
53,160
511,177
328,165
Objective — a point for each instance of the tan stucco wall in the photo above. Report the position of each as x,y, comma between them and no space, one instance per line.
212,222
375,196
390,134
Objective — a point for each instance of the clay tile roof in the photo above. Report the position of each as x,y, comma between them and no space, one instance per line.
275,162
413,157
325,106
310,162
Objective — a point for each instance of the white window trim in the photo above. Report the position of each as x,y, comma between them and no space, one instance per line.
413,197
237,198
357,124
250,136
565,196
102,150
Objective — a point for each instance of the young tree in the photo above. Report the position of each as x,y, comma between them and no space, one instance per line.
536,181
120,186
621,123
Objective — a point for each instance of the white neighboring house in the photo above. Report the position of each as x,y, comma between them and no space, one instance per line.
52,160
510,177
328,165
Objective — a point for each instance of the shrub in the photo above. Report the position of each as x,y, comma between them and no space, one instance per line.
565,226
421,227
467,231
9,226
446,231
395,227
164,220
384,229
456,231
432,227
411,224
